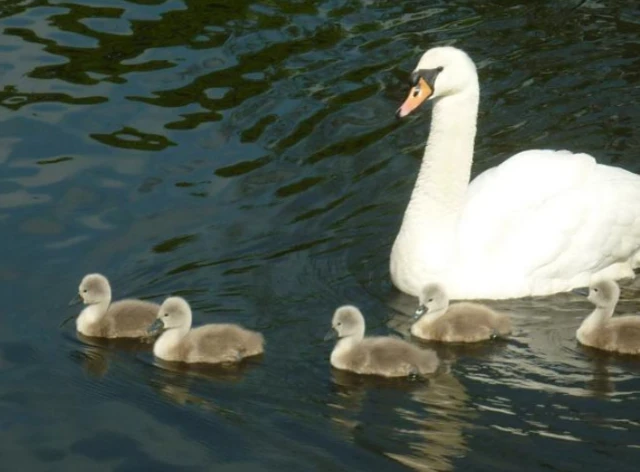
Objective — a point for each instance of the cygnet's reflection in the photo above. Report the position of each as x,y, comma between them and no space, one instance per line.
607,369
180,383
600,384
542,353
418,423
94,353
230,372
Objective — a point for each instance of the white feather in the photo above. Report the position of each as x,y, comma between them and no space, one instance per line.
542,222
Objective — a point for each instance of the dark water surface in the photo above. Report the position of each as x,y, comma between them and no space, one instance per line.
245,155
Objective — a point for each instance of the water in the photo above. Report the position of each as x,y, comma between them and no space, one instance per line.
245,155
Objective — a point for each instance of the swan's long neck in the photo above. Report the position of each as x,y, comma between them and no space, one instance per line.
441,187
427,237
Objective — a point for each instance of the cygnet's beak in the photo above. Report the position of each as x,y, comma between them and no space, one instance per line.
584,291
156,326
76,300
331,334
421,310
418,94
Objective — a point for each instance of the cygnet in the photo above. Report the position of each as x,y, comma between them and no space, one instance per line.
599,330
459,323
384,356
104,319
210,344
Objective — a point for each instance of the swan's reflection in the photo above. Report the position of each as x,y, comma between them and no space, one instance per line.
417,423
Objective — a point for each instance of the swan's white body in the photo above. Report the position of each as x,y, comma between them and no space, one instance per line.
541,222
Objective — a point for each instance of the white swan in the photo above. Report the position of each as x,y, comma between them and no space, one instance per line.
541,222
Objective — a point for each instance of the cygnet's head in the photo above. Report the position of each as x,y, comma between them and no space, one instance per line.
433,298
94,289
174,312
441,72
348,321
604,294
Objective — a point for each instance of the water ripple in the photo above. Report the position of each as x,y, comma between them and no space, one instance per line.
246,156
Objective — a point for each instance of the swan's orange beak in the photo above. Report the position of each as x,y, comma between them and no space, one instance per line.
418,94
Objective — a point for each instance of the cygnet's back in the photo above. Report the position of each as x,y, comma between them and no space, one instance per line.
126,319
219,343
601,331
622,335
389,357
463,322
385,356
211,343
101,318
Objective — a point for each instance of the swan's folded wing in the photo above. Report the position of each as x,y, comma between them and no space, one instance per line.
548,213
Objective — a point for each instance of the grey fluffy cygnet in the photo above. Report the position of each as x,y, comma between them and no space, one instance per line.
599,330
104,319
460,323
209,344
384,356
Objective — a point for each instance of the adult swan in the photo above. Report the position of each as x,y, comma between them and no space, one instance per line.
541,222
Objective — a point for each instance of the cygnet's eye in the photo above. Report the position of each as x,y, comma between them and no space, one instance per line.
595,289
430,300
165,315
339,324
84,291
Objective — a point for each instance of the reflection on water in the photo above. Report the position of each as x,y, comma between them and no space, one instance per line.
246,156
222,372
420,424
94,353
